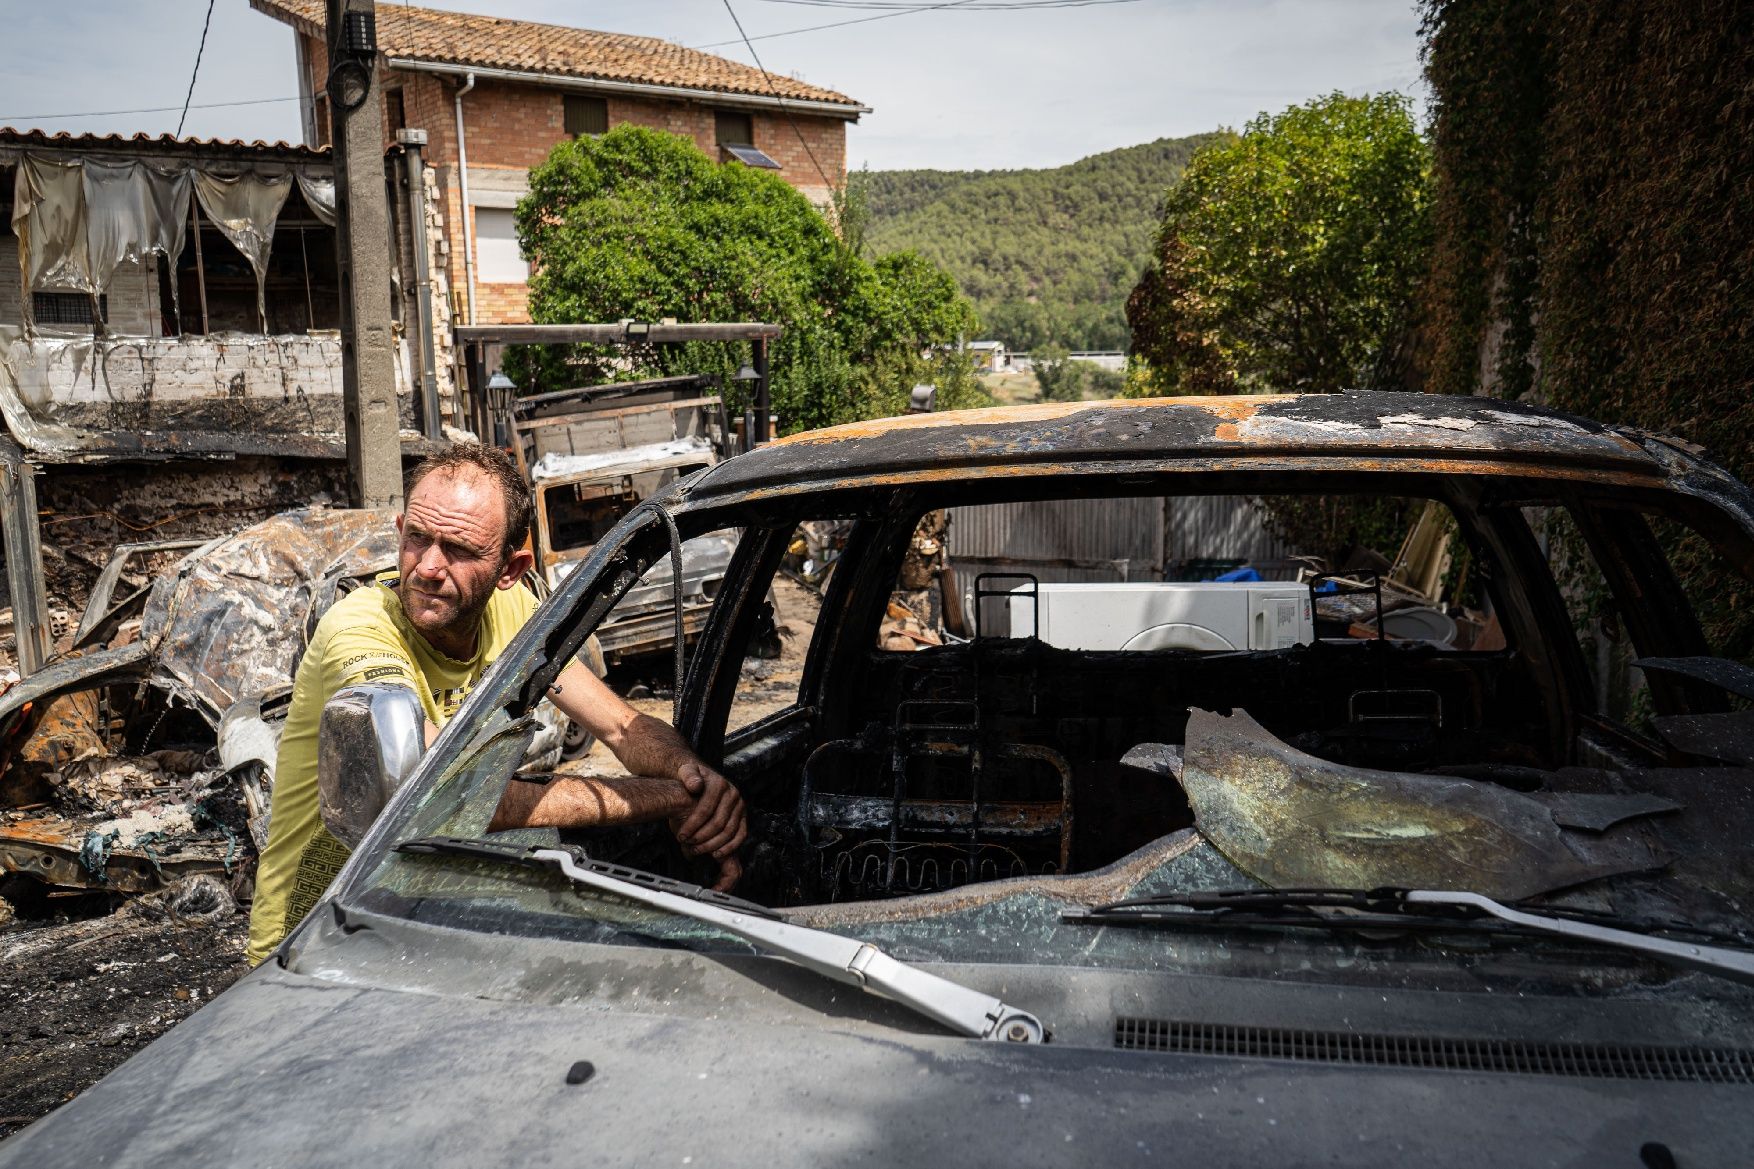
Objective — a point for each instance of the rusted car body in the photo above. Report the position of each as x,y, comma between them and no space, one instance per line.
580,498
1118,843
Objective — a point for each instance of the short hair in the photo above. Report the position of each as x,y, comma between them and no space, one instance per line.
497,466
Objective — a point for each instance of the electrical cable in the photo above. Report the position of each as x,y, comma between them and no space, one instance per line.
836,24
772,89
916,6
7,119
197,70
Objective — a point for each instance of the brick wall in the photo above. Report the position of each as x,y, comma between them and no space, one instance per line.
513,127
501,304
133,296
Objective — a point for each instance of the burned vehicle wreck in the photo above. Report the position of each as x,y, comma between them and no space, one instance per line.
1383,897
146,752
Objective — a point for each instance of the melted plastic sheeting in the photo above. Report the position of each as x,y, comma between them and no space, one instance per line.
78,221
244,208
1295,821
132,211
48,217
319,194
233,620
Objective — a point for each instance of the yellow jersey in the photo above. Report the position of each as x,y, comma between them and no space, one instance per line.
364,637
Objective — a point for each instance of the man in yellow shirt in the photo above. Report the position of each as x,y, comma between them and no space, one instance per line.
436,626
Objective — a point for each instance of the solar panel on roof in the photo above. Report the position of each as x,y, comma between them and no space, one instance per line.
750,156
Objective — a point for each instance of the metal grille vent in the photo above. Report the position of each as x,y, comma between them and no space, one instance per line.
1709,1065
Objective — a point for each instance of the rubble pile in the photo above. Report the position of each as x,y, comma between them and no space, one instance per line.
140,755
83,995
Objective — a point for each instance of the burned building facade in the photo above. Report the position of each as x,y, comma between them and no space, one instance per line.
170,358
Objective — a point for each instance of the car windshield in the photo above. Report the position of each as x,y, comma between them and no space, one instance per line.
948,736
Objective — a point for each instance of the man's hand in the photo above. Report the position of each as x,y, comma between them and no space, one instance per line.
716,825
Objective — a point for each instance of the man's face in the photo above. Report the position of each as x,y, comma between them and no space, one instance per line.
451,556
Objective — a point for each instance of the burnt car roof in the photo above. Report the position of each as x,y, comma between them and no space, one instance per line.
1361,431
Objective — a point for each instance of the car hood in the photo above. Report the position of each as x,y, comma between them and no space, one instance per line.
320,1070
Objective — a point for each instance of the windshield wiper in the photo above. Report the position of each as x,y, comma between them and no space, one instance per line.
843,959
1423,909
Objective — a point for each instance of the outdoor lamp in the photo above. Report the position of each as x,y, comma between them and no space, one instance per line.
500,390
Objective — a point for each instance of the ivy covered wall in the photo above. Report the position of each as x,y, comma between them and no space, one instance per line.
1594,163
1594,219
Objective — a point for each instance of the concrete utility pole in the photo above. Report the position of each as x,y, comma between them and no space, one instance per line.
422,350
34,639
362,243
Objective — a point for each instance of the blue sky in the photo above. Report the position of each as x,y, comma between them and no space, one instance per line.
954,90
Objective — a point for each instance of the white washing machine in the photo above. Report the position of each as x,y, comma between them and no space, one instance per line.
1197,615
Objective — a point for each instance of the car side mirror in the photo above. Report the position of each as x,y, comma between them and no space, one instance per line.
368,741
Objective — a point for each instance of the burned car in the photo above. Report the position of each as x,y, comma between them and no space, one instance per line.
1357,895
580,498
142,755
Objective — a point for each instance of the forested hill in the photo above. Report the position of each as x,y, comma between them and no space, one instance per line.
1046,255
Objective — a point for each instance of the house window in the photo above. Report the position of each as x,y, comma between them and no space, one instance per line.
736,133
734,129
66,308
497,259
395,110
586,115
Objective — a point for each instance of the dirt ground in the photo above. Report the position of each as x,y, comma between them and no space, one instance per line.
768,684
1012,388
82,995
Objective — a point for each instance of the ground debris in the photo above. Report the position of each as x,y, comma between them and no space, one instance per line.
83,996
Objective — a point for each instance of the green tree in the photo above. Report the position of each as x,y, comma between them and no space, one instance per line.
1046,255
640,224
1061,379
1289,257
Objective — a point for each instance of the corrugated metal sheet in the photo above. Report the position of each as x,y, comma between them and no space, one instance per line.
1219,527
967,568
1061,530
1110,539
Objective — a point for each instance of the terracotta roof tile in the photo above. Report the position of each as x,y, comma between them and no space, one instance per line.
492,42
10,136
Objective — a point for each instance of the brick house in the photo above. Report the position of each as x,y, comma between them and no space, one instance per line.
496,95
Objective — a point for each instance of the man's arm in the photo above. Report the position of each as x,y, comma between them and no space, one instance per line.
713,825
573,802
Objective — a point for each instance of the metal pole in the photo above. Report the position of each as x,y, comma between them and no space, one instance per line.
463,197
200,266
424,353
362,240
20,526
759,346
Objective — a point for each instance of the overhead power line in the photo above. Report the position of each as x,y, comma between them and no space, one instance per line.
10,119
919,6
909,10
774,90
835,24
197,70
